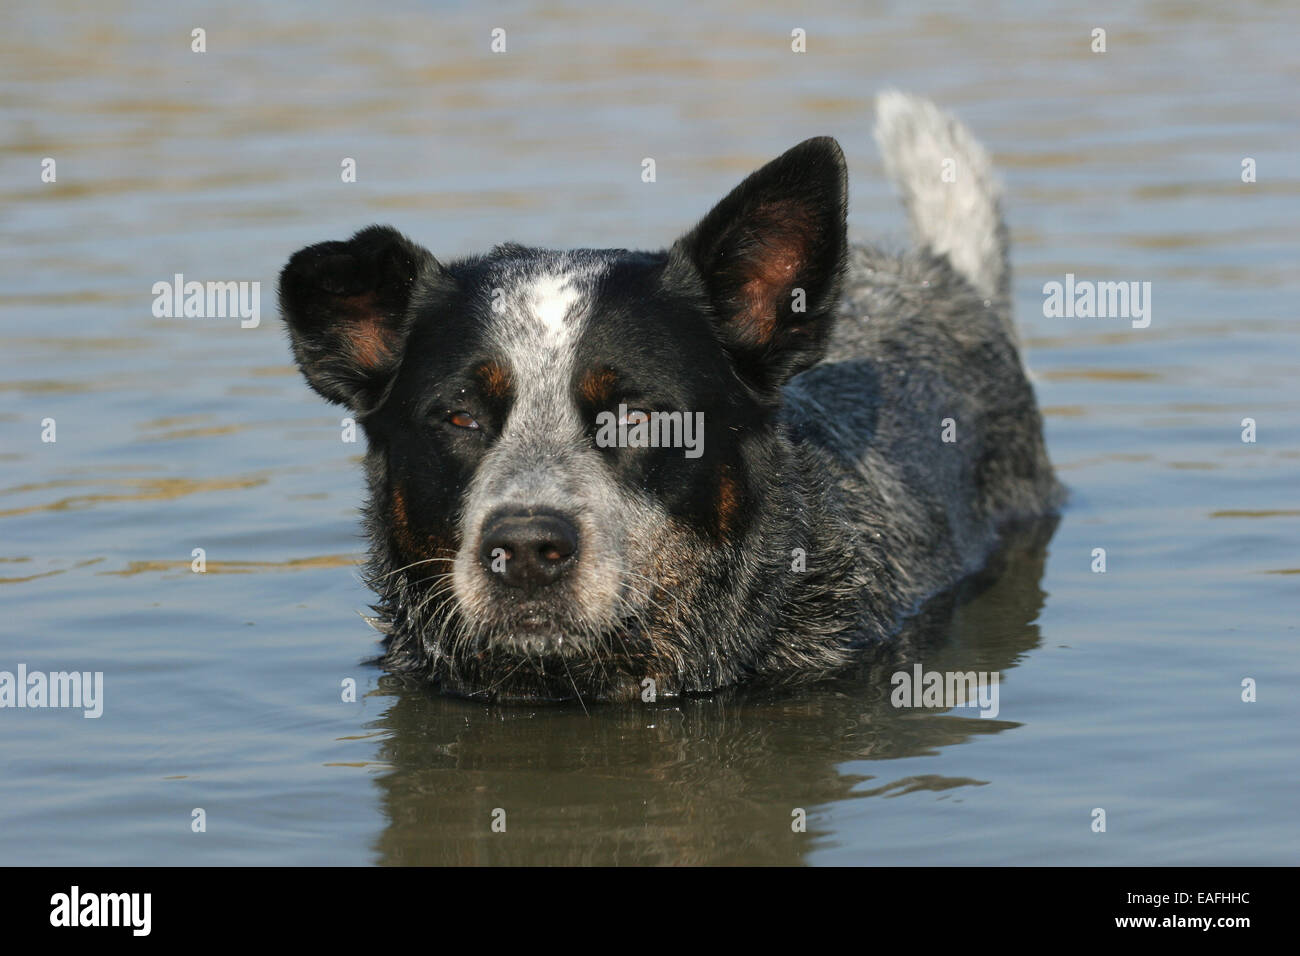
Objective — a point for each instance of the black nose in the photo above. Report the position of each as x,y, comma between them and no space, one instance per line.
528,549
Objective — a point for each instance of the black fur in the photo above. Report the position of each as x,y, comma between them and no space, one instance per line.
822,439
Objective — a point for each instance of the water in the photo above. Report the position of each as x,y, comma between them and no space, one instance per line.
1119,691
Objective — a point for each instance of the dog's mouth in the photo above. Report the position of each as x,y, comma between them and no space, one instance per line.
536,629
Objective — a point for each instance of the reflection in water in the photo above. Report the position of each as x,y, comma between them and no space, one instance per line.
698,780
238,567
146,489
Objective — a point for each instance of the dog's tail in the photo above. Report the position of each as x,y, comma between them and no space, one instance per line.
947,184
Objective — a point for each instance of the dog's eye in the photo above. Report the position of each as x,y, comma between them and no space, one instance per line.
462,420
634,416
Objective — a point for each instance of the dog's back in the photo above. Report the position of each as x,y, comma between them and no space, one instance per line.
921,408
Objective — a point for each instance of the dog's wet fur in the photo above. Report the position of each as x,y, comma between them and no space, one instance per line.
516,557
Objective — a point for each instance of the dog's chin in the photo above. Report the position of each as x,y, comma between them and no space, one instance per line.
537,639
527,689
515,678
534,659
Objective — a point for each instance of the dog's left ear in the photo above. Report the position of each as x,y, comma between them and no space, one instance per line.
347,305
771,255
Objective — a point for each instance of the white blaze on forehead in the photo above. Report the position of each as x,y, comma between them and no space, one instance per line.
538,333
550,300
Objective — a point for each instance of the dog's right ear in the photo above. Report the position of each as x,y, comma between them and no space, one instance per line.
770,257
347,306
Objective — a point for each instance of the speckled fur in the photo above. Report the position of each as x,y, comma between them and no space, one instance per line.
850,471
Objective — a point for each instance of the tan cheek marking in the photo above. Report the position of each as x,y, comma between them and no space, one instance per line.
413,548
401,524
729,497
406,541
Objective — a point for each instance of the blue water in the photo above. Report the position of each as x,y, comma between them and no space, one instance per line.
1120,691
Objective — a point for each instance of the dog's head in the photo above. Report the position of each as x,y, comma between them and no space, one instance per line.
569,451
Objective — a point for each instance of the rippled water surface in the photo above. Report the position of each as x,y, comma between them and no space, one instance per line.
1119,691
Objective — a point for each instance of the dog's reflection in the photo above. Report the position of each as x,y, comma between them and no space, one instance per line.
709,780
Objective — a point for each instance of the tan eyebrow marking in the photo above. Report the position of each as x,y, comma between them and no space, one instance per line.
494,378
597,386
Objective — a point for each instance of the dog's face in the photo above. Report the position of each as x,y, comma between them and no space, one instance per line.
566,449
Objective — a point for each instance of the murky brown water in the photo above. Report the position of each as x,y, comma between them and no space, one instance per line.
1119,690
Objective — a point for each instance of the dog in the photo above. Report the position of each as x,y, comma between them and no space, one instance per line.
542,529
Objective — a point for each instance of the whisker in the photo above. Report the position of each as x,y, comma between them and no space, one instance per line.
416,564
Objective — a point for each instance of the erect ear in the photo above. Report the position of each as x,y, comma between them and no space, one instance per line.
771,255
347,306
